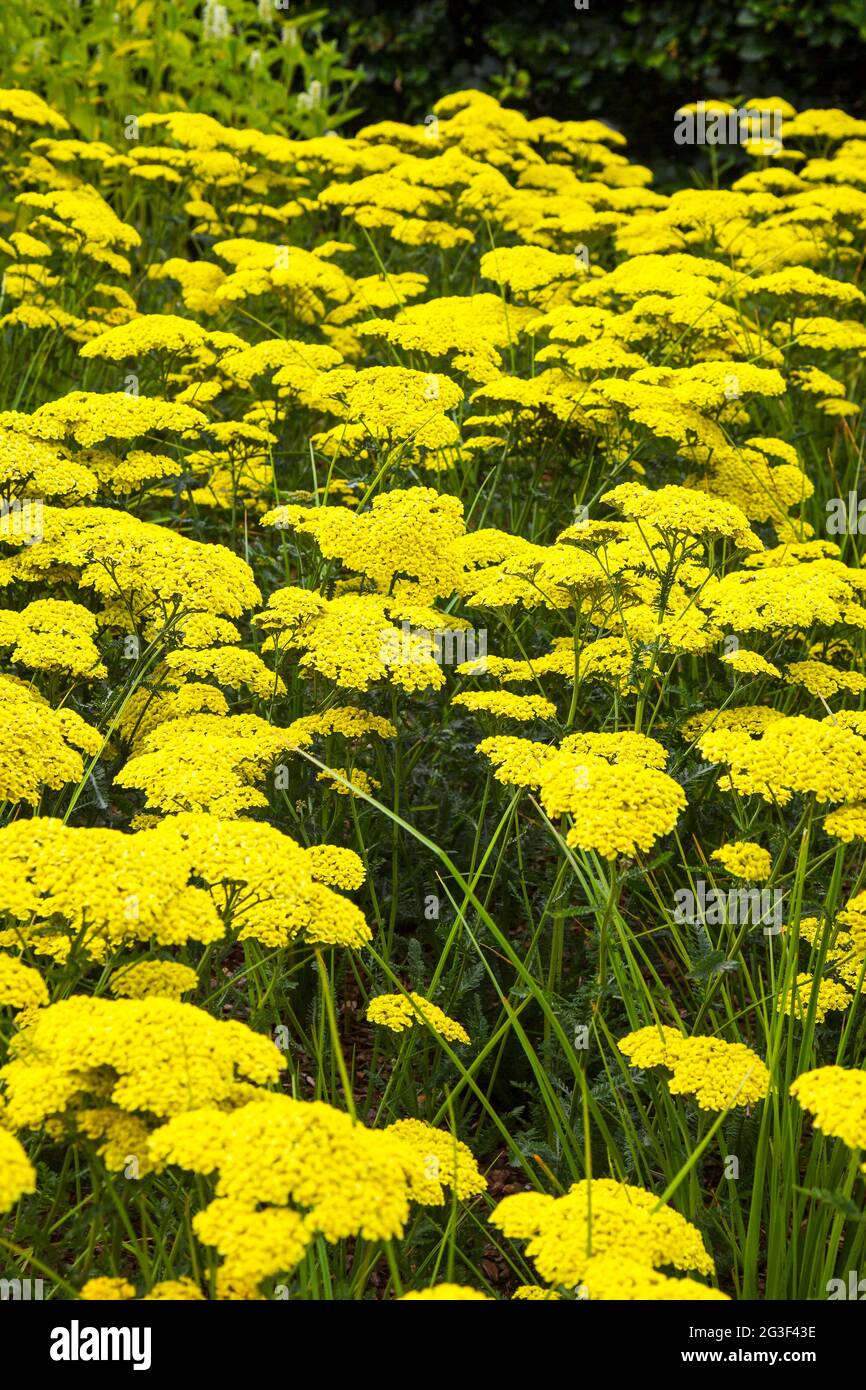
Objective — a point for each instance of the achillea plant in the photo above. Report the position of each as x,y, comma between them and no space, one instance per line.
422,574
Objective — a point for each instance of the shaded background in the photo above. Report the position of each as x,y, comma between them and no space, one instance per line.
630,63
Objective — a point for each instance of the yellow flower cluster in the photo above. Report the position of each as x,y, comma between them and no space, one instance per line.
602,1218
745,860
17,1174
618,1278
105,1289
149,979
508,706
51,737
340,1178
154,1056
183,880
719,1074
21,987
401,1011
811,997
793,754
619,808
51,635
304,421
836,1098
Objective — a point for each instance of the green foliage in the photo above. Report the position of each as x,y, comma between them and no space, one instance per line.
242,63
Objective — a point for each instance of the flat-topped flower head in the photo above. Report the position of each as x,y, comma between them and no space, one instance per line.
792,755
599,1218
165,333
147,1058
619,1279
174,1291
504,704
409,534
470,330
440,1160
811,997
21,987
683,511
105,1288
30,109
401,1011
719,1074
749,663
744,859
148,979
353,639
17,1174
54,741
33,467
616,808
836,1098
291,1170
823,680
53,635
89,417
391,409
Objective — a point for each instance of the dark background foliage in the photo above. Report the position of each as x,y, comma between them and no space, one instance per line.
632,64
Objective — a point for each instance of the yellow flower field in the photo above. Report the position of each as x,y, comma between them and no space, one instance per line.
433,738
